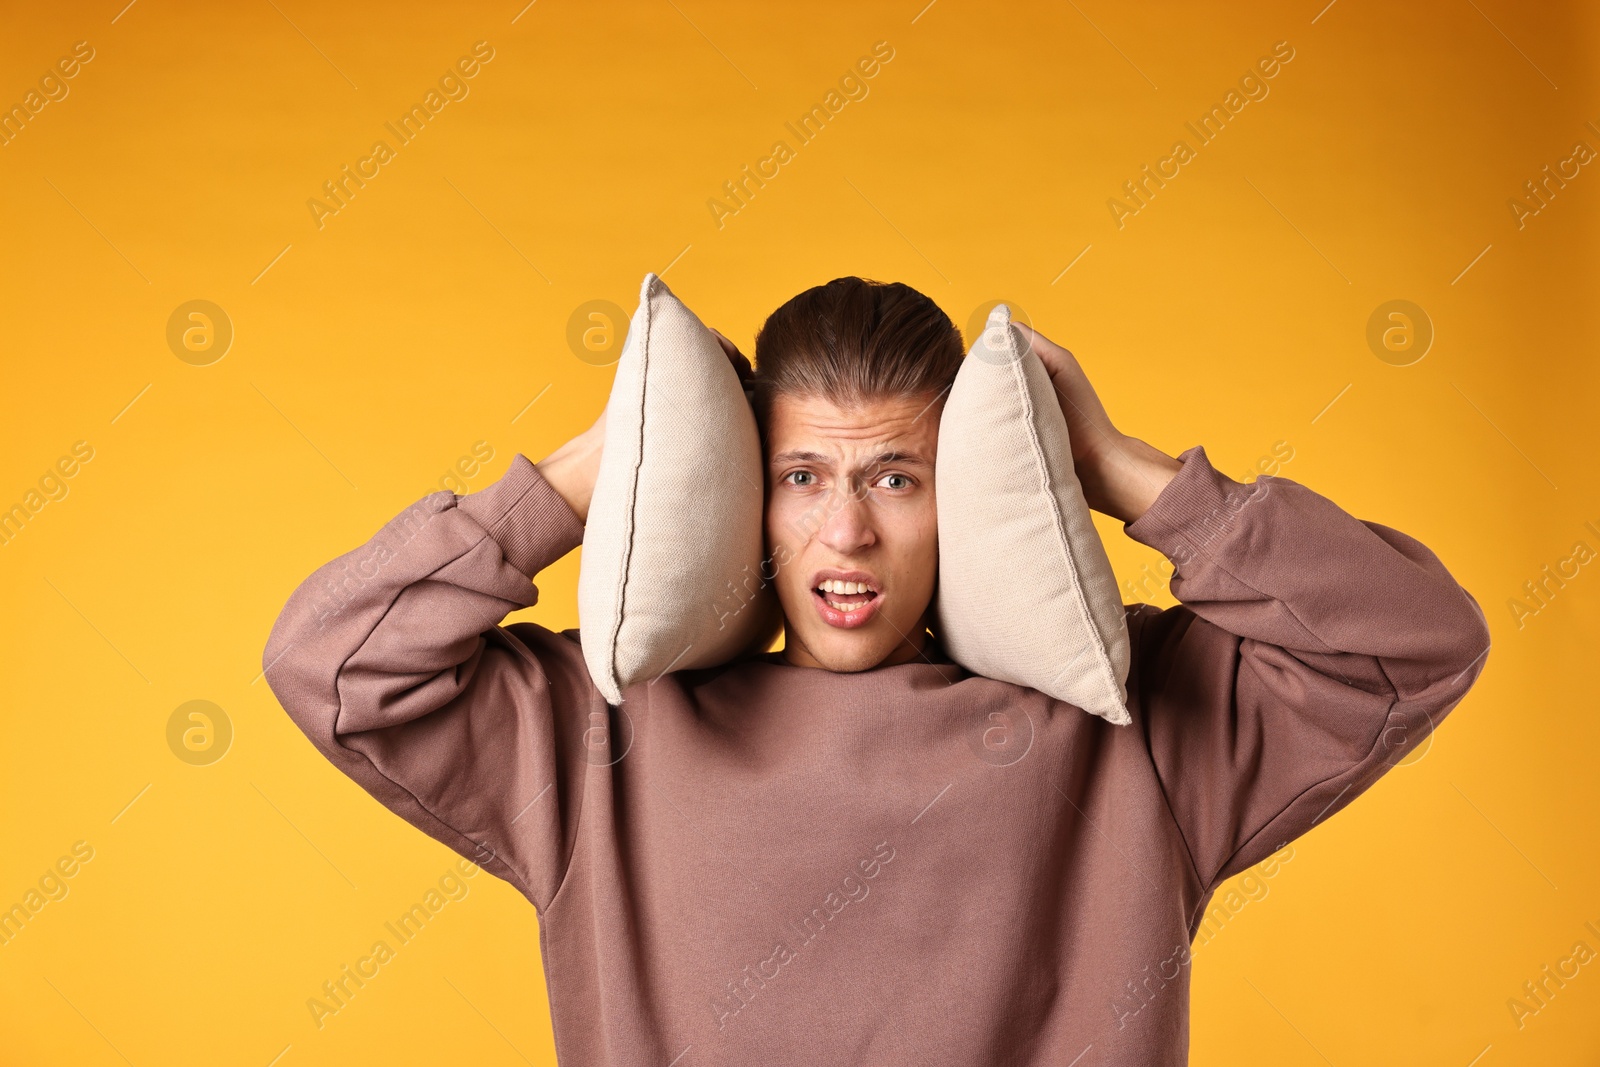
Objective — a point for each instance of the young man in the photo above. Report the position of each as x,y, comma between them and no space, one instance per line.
853,850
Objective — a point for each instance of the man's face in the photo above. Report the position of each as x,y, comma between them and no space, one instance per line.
850,497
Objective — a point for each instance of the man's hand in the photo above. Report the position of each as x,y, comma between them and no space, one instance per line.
572,469
741,365
1121,475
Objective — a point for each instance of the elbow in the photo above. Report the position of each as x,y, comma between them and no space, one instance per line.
285,636
1460,651
1471,645
285,677
1450,673
1438,637
278,640
299,671
307,632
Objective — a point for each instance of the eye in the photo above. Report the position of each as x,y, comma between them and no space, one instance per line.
803,474
902,477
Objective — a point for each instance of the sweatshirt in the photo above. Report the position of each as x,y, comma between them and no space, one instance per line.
762,863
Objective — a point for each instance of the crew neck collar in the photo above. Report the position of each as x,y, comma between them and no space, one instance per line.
933,655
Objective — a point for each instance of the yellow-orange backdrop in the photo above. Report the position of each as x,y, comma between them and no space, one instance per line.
423,317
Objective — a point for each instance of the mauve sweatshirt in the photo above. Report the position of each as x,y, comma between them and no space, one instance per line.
769,864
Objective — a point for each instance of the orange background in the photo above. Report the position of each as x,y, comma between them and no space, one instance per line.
429,316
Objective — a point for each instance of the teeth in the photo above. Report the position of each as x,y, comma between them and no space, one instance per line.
846,608
833,585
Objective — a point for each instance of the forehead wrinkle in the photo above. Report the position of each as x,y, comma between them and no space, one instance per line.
888,436
887,457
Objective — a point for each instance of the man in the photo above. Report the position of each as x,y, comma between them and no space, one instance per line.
853,850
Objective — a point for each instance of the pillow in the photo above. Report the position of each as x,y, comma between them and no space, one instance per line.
672,576
1025,592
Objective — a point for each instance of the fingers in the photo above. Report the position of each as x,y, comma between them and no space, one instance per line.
1036,340
1030,335
741,365
1056,360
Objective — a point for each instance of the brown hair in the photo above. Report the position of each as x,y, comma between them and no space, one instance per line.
854,340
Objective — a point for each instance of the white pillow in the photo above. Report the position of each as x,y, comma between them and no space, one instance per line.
672,576
1026,593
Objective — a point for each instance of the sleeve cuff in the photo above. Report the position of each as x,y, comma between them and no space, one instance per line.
522,512
1198,506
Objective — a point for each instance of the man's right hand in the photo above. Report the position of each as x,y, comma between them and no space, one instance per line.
572,469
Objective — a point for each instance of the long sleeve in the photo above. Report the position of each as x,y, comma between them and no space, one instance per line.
392,661
1309,652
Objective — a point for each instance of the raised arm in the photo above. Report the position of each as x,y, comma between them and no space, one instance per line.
1310,650
1309,653
392,661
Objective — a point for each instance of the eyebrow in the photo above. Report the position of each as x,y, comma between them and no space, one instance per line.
880,460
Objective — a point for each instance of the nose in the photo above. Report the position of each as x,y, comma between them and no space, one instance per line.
848,528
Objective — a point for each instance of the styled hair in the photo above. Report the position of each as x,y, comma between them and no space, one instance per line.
852,341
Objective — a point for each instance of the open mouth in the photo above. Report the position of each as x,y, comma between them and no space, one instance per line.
845,605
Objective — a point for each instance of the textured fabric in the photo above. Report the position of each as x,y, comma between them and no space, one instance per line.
1026,593
911,865
672,574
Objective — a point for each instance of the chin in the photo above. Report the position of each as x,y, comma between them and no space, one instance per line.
848,655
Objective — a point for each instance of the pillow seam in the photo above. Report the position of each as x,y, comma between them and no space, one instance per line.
1101,654
633,492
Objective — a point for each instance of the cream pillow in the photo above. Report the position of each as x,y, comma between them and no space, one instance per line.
672,576
1026,593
